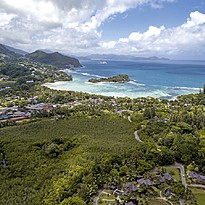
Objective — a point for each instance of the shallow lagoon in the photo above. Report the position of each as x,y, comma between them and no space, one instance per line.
160,79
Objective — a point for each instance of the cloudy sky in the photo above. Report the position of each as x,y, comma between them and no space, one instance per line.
166,28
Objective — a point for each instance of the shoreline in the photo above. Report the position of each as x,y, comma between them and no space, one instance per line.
115,95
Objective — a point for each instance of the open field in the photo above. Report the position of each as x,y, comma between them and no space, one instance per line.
200,195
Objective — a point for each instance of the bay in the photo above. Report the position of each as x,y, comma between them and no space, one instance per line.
160,79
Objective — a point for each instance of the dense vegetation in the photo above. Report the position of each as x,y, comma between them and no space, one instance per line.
66,154
49,161
122,78
8,55
75,150
55,59
25,74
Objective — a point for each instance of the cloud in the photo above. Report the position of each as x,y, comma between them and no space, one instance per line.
166,41
75,26
5,18
109,45
195,19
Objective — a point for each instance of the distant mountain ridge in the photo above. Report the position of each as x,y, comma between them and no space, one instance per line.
120,57
7,54
55,59
15,50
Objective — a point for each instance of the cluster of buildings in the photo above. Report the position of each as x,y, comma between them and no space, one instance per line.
17,114
129,188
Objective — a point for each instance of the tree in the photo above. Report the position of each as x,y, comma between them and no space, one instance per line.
204,89
75,200
52,150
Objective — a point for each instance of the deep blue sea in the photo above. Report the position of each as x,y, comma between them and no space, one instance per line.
161,79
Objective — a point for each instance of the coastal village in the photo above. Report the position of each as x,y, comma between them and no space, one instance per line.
157,183
20,109
156,133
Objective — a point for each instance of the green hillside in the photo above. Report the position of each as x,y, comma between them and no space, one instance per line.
55,59
52,160
7,54
122,78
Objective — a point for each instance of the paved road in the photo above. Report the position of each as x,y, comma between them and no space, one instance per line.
135,133
121,111
164,198
197,186
137,136
100,191
182,172
181,201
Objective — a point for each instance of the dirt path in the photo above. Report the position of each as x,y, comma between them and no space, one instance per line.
100,191
137,136
164,198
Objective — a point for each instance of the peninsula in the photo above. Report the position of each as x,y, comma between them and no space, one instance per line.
122,78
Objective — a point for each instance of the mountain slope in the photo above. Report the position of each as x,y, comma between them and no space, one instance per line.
55,59
6,54
15,50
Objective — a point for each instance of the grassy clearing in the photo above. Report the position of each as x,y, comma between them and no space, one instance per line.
200,195
6,83
156,202
106,200
175,173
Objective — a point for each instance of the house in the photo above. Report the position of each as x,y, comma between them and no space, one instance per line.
167,192
113,187
3,111
4,162
129,203
139,177
197,177
130,187
166,177
147,182
40,106
30,81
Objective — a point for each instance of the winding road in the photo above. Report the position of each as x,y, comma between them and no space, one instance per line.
176,166
129,119
136,132
100,191
197,186
182,172
137,136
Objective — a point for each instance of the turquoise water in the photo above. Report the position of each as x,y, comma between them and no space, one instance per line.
160,79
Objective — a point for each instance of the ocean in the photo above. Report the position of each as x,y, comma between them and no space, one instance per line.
160,79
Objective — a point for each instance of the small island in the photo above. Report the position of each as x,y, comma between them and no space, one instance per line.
122,78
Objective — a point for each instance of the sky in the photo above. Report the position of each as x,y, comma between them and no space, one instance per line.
163,28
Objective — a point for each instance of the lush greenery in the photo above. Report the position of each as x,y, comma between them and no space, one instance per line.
49,161
200,195
55,59
7,55
64,155
122,78
26,74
